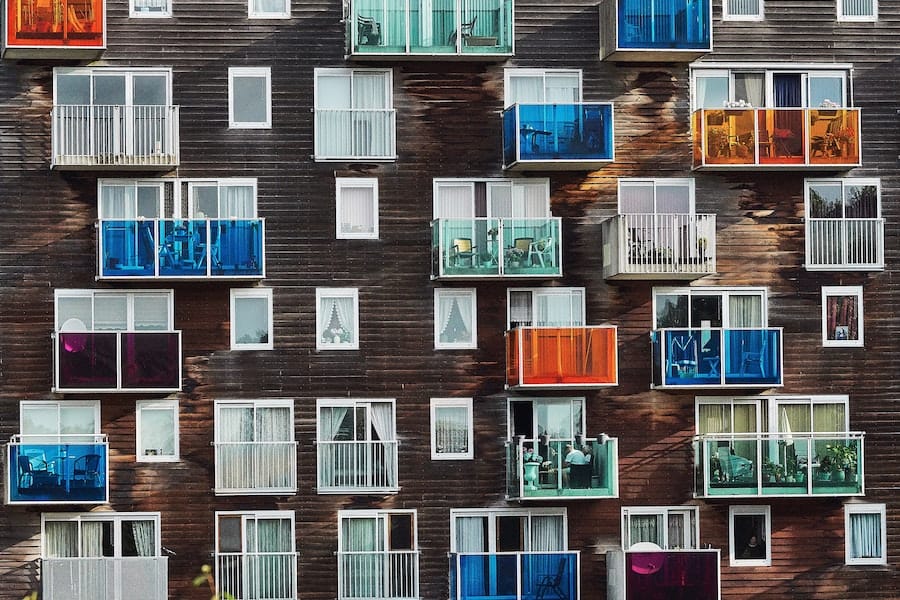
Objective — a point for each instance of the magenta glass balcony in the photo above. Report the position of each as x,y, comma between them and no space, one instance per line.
57,469
113,361
669,574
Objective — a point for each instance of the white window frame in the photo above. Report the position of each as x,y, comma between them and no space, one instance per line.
841,17
117,518
723,292
512,72
576,422
165,10
688,513
358,582
493,513
136,184
265,294
854,291
844,183
763,511
654,182
453,293
343,183
128,73
256,515
453,403
768,71
575,295
467,209
771,405
130,296
250,72
860,508
53,438
157,455
285,13
728,16
322,294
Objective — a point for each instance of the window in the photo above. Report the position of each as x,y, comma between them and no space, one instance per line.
761,87
709,307
157,430
378,554
455,319
865,534
130,199
96,535
255,448
857,10
842,316
451,429
109,310
749,534
553,419
742,10
357,208
495,198
354,114
545,307
256,556
149,8
337,315
251,319
249,98
508,530
269,9
537,86
844,228
59,422
670,528
356,442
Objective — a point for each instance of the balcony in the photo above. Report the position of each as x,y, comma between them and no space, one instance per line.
659,246
55,29
777,138
514,575
181,249
256,467
117,361
65,469
108,578
418,29
664,574
382,574
698,358
558,137
350,467
561,357
355,134
655,30
847,244
496,248
550,478
779,464
256,575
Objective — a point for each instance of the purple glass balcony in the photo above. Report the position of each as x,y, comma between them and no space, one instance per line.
671,574
68,469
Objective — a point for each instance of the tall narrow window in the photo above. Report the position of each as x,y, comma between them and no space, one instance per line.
256,556
844,226
742,10
842,316
455,319
249,98
251,319
337,315
857,10
157,430
865,534
357,208
378,555
451,428
750,532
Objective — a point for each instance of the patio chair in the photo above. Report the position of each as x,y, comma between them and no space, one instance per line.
540,249
462,250
368,30
87,469
552,583
465,30
752,358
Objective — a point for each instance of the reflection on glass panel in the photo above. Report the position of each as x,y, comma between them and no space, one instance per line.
671,310
251,320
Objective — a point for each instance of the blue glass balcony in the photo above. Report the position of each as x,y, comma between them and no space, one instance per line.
544,473
717,357
514,575
558,137
63,468
182,248
655,30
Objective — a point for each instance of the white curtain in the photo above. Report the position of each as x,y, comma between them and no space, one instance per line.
151,313
363,573
61,539
673,199
857,8
525,89
675,530
636,198
454,200
463,306
829,417
117,202
236,202
559,310
743,7
340,308
330,420
865,535
750,88
92,538
714,418
382,420
144,538
382,414
268,6
520,309
470,536
745,311
451,429
645,528
357,209
547,533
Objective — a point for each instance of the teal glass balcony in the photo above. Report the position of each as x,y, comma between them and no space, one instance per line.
181,249
717,357
665,574
655,30
452,29
779,464
514,575
491,248
558,137
545,473
49,469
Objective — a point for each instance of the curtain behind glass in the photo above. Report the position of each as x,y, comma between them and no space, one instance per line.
357,210
525,89
547,533
744,311
865,535
236,202
645,528
61,538
117,202
144,538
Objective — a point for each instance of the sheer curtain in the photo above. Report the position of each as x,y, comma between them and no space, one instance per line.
61,539
455,307
745,311
370,123
451,430
117,202
273,424
271,573
547,533
235,429
382,414
865,535
644,528
454,200
559,310
336,320
330,420
144,538
363,574
357,210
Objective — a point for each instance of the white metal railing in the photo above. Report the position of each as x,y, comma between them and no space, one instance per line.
115,135
852,243
357,465
353,133
257,575
256,466
382,574
666,243
105,578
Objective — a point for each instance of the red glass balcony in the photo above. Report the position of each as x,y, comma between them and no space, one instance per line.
54,28
559,357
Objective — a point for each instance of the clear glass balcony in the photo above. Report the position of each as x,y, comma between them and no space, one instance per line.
548,475
557,136
357,467
57,469
58,28
426,29
106,577
693,574
777,138
659,246
182,248
485,247
256,467
514,575
111,361
384,574
779,464
655,30
846,244
717,357
560,357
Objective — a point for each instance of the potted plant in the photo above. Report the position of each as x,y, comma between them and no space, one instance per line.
842,459
702,244
514,257
774,471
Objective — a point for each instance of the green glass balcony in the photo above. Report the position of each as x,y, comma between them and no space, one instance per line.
484,247
424,29
779,464
61,469
545,473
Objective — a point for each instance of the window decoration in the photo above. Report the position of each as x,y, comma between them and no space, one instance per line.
842,316
451,428
455,319
337,311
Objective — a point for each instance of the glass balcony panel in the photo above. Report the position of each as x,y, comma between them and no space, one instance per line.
727,137
357,466
71,25
60,471
182,248
752,356
680,25
151,360
845,243
466,247
833,136
234,248
557,133
561,356
128,248
124,578
531,246
672,574
514,575
87,360
782,135
544,474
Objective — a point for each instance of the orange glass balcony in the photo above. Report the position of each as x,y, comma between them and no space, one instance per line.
776,138
561,357
54,28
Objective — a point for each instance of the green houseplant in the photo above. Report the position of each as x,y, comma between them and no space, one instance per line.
841,460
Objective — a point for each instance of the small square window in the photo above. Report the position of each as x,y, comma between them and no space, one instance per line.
249,98
842,316
750,530
157,430
337,315
742,10
251,319
857,10
149,8
269,9
451,428
455,322
864,530
357,208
